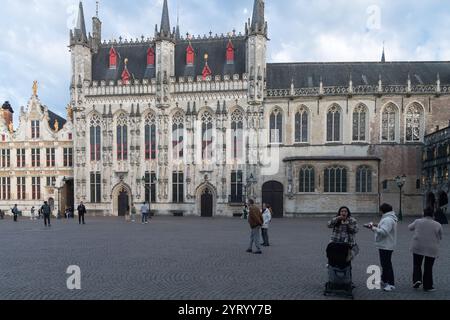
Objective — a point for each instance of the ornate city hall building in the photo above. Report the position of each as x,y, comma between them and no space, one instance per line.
36,159
196,124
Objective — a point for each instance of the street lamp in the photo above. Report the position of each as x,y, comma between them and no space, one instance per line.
64,180
250,181
400,183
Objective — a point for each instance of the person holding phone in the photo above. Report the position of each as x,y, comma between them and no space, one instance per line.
345,228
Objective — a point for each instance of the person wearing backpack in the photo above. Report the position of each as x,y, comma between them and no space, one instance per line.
15,212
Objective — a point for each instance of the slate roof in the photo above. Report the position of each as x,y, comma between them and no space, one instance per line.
307,75
137,59
51,120
7,106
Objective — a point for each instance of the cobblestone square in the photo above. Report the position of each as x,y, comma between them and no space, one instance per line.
192,259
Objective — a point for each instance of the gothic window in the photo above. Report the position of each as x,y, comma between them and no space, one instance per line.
112,58
237,134
150,187
359,123
335,180
237,187
230,53
301,125
307,180
334,124
414,119
276,126
95,138
178,187
35,129
95,187
122,138
190,55
150,137
178,135
150,57
207,138
364,180
389,124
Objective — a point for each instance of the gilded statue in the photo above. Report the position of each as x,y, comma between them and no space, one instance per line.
35,88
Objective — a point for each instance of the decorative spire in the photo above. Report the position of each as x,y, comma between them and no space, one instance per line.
177,31
206,70
165,22
383,56
258,25
81,25
96,9
126,74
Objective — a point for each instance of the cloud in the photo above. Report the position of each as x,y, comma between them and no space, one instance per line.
35,34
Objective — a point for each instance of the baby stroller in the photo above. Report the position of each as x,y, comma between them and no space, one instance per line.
339,271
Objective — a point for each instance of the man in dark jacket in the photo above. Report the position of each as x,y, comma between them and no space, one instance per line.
81,211
46,211
255,220
439,215
15,212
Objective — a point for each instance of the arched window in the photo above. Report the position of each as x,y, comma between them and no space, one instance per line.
230,53
414,120
190,55
335,180
389,124
301,125
177,135
150,137
150,57
334,124
307,180
95,138
364,180
122,138
207,138
237,134
276,126
112,58
359,123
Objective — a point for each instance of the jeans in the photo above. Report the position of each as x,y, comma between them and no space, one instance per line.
47,218
144,217
427,278
265,236
386,264
80,218
15,218
254,238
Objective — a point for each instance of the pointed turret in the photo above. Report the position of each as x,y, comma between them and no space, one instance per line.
258,25
79,36
165,23
383,56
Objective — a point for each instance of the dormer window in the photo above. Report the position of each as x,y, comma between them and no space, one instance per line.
230,53
190,55
112,58
35,129
150,57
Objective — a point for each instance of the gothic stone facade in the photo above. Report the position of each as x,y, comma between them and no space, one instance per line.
209,122
36,163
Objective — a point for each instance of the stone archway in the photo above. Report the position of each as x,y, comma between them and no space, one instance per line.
206,200
122,199
273,194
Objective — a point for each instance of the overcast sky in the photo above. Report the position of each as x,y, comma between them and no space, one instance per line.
35,33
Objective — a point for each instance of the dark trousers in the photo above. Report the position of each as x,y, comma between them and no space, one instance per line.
47,219
387,275
15,218
80,218
265,236
427,278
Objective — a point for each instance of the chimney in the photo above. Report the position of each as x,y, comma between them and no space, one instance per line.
7,113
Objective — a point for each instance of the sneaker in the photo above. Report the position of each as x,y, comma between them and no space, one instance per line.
388,288
249,251
430,290
417,284
258,252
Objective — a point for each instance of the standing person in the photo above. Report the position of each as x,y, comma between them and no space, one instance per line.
46,211
267,218
345,228
133,213
2,214
425,245
144,212
385,241
440,216
15,212
81,212
245,212
32,213
255,220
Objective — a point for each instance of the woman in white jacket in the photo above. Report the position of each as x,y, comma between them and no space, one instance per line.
267,217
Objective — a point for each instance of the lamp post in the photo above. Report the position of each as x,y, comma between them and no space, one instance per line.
59,197
400,183
250,182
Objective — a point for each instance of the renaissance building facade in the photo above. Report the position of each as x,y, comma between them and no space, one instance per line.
197,124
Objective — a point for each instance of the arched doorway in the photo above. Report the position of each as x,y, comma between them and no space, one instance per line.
443,199
122,203
207,203
431,200
122,200
273,194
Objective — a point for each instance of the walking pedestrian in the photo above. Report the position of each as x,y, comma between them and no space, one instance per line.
15,212
133,213
267,218
440,216
425,246
144,212
81,212
46,211
32,213
2,214
345,228
385,241
255,220
245,212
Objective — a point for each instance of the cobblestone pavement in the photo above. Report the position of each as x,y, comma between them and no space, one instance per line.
191,258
